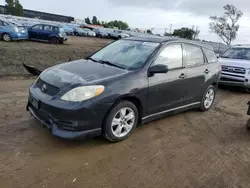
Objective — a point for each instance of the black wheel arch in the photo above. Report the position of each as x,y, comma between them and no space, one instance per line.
133,99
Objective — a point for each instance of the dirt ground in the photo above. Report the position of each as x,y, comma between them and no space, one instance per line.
188,150
44,55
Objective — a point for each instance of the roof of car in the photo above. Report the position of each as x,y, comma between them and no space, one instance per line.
159,39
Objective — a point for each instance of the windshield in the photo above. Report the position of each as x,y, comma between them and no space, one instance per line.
126,53
237,53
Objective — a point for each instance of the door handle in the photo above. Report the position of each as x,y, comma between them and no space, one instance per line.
206,71
183,76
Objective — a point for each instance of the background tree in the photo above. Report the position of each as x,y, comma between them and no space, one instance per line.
10,6
94,20
225,26
116,24
184,32
149,31
87,20
18,8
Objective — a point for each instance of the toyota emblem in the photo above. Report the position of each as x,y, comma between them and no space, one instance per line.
44,88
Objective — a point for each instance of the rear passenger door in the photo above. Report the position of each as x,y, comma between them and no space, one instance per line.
47,31
4,27
195,63
1,27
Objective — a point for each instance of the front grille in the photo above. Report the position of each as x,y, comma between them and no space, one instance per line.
46,88
237,70
231,80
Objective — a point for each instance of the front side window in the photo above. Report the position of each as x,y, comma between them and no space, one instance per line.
171,56
127,54
237,53
194,55
211,57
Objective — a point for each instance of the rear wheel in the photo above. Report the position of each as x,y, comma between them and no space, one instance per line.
54,41
120,122
248,125
208,98
6,37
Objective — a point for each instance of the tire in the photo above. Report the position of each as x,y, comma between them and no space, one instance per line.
247,90
121,128
6,37
54,41
248,125
119,37
206,102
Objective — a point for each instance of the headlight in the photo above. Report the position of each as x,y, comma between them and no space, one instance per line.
82,93
16,29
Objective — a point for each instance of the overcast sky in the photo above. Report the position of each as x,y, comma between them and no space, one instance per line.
158,14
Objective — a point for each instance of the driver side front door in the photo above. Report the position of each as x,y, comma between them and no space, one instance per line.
167,91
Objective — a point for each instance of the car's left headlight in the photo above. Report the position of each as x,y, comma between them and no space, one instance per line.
83,93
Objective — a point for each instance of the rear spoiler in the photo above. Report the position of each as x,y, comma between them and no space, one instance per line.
32,70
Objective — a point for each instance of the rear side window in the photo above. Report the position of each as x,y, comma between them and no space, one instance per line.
194,55
171,56
211,57
37,27
48,28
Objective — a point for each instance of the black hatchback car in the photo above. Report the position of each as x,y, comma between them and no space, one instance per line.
47,33
128,82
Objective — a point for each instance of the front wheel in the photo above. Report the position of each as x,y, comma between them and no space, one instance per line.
208,98
120,121
6,37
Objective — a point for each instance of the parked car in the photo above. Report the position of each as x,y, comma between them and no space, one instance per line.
129,82
101,32
235,63
117,34
10,31
80,32
69,30
90,33
47,33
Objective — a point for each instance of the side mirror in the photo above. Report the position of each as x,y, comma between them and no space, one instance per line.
217,55
160,68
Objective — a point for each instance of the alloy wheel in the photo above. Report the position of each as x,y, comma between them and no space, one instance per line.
123,122
209,98
6,37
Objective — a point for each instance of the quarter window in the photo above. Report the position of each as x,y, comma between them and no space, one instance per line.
211,57
171,56
194,55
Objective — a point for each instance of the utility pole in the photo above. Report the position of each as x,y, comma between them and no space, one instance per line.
170,29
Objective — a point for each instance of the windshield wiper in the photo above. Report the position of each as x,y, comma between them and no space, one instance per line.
90,58
109,63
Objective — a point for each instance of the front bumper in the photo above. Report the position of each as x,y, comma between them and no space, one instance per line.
234,80
65,119
62,133
20,36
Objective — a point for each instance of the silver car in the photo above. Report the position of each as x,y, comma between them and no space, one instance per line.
235,64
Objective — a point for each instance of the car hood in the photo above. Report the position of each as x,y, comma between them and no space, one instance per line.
234,62
84,72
